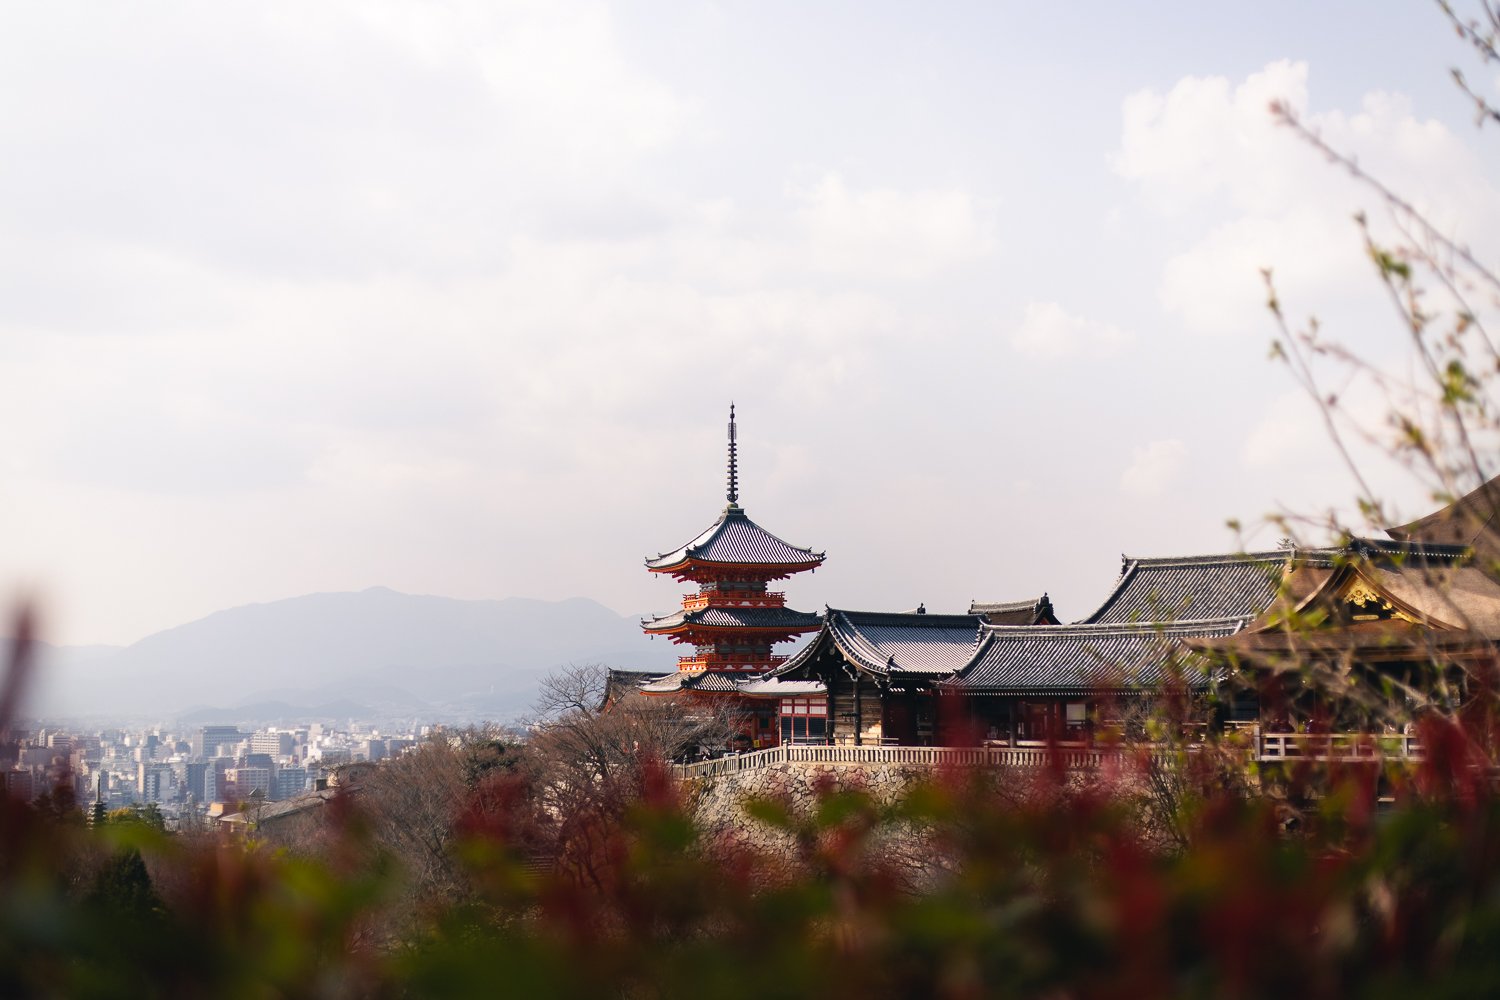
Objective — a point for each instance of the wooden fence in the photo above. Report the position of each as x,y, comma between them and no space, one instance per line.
1071,756
1338,746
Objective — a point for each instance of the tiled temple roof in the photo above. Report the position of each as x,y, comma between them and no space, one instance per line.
1193,588
621,684
1382,551
1240,585
1064,658
735,539
1472,521
780,687
896,642
1038,610
747,618
696,680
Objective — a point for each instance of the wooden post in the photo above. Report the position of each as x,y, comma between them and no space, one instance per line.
1010,708
831,719
859,719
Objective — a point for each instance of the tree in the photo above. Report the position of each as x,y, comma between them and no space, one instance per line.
591,763
417,803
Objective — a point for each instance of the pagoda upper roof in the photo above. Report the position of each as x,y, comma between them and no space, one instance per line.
1057,659
736,540
733,618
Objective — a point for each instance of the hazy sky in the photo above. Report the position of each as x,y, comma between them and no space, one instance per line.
452,298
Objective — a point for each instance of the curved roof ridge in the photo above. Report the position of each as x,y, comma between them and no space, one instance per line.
854,644
1006,605
919,643
907,617
1110,628
1269,555
1357,548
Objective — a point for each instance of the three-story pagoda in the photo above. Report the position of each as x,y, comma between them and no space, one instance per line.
732,621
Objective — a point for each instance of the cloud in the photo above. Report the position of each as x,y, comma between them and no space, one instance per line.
887,232
1204,137
1212,147
1153,468
1049,332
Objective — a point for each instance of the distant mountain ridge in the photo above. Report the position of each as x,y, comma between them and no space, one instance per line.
391,653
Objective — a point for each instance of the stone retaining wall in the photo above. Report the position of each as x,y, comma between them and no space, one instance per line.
719,802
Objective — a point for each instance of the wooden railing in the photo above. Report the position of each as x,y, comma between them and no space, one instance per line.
1069,756
1337,746
1036,755
760,664
733,599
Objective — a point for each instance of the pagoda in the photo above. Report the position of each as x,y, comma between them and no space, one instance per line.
732,620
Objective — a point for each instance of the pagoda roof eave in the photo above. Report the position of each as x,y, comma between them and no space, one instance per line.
735,540
731,630
686,568
733,621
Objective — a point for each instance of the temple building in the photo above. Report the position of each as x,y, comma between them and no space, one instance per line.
1370,626
732,620
1242,635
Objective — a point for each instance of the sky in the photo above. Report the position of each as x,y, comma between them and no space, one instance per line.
453,297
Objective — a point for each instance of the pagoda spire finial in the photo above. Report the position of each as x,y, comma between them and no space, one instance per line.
734,470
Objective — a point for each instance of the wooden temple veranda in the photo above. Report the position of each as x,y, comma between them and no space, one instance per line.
1233,636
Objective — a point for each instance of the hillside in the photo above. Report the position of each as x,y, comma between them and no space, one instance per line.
377,650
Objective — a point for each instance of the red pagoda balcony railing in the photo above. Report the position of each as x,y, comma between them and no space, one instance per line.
733,599
697,664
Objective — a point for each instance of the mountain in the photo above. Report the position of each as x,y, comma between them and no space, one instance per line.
393,654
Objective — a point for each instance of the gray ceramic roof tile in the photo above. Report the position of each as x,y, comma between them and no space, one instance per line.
711,681
1014,612
777,687
1193,588
1057,658
768,618
899,642
734,538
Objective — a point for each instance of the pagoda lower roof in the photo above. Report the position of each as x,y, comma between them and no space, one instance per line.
734,620
735,540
